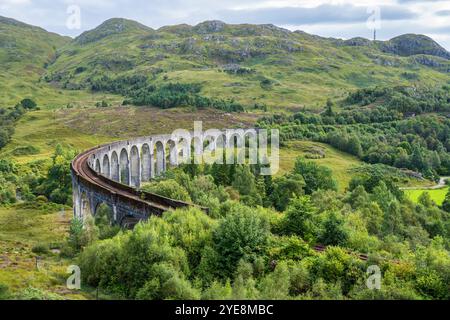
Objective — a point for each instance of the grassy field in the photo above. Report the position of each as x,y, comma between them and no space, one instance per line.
437,195
338,161
21,229
125,122
15,89
42,131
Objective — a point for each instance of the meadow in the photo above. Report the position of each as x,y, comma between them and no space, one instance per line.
30,239
437,195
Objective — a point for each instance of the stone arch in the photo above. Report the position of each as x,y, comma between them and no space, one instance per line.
172,153
124,165
135,167
212,153
98,168
106,166
221,141
209,142
221,148
115,168
146,163
103,207
160,166
184,151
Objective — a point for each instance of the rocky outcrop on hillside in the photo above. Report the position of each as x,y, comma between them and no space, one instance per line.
413,44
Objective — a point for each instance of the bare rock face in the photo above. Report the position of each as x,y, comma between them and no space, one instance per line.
357,42
432,62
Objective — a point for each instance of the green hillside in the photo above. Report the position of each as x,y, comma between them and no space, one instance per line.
260,64
27,49
25,53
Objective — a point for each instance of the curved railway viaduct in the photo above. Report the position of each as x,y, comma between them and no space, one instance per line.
112,174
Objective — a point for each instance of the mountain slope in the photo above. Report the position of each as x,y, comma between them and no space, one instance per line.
26,48
25,51
253,64
250,63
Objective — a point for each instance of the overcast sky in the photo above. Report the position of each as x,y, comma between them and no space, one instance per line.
333,18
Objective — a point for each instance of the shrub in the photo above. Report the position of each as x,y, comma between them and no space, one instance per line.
167,283
338,266
300,219
191,230
275,286
28,104
242,234
316,177
446,203
4,292
284,189
31,293
168,188
334,232
82,233
40,249
288,248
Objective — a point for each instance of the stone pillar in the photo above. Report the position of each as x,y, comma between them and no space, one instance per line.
114,213
152,165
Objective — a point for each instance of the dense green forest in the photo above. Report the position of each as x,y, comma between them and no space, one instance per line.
245,249
139,92
402,127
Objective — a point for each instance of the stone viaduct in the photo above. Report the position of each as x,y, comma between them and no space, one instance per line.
112,174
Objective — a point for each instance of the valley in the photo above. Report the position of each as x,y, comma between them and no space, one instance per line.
364,131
